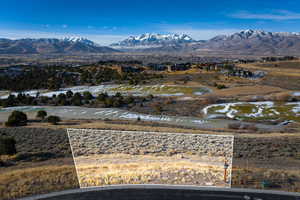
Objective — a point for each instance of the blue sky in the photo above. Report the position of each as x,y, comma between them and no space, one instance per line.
107,21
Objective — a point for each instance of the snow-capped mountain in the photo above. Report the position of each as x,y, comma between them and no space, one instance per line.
250,42
51,45
81,40
254,42
149,40
254,34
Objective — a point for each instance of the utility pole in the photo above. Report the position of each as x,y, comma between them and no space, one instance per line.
225,171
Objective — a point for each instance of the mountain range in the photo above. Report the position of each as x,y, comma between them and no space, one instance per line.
149,40
255,42
246,42
51,45
251,42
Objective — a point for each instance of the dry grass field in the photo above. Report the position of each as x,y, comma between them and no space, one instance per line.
111,169
283,74
287,68
266,178
43,163
36,180
248,90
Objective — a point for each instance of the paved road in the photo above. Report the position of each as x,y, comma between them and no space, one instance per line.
165,192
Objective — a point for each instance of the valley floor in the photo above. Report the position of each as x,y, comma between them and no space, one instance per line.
265,156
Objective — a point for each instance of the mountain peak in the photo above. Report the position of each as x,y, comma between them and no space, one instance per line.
80,39
154,39
251,34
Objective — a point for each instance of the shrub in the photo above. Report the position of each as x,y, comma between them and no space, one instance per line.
87,95
235,125
7,146
53,119
221,86
102,96
116,103
158,108
41,114
38,156
118,94
169,101
108,102
69,94
129,100
150,96
17,118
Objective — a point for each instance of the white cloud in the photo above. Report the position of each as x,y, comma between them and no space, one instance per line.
200,34
102,39
277,15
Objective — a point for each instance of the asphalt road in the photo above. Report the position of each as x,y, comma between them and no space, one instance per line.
165,192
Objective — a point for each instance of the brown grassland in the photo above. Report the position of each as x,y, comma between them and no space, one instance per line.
36,180
107,169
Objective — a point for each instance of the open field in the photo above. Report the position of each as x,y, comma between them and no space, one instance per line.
248,91
288,68
284,74
182,169
36,180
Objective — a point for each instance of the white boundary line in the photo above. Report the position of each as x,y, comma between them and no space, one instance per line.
151,132
154,184
231,162
74,158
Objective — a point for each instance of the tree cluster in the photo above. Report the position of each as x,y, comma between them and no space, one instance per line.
70,99
55,77
17,118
